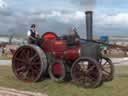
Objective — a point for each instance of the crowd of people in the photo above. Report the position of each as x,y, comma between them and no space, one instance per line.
4,50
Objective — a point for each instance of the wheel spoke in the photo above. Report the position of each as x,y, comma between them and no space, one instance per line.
33,57
35,67
79,73
20,60
91,68
25,75
36,59
28,53
24,54
21,69
104,63
92,78
35,63
35,71
106,71
81,78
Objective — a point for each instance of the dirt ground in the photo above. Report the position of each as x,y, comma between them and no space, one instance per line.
14,92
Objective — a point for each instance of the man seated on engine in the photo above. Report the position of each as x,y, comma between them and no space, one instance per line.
33,35
72,38
74,34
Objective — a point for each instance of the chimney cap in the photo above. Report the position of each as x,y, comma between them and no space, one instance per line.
88,12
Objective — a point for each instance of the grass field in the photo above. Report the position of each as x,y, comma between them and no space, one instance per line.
118,87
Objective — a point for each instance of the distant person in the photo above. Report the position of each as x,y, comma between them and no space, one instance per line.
3,50
33,35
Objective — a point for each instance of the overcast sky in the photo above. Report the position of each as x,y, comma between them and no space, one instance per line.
110,16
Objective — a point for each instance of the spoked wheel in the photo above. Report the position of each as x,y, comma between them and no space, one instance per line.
57,71
29,63
107,68
86,72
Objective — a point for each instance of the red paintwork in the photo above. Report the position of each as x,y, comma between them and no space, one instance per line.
57,69
49,36
72,53
59,48
47,45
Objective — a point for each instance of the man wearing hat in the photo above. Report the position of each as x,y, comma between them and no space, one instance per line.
72,37
32,35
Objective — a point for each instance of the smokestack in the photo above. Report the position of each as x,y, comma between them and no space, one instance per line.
89,24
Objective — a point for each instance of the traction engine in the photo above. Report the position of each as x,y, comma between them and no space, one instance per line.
60,60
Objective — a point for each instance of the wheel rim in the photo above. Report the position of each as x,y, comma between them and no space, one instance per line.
27,64
107,69
86,72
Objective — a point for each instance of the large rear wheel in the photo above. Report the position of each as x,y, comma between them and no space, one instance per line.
29,63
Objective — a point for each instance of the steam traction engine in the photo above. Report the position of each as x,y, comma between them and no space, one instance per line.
63,60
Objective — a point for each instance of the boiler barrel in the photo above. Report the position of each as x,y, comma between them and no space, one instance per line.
72,53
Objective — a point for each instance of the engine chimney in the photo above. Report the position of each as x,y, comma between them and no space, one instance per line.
89,24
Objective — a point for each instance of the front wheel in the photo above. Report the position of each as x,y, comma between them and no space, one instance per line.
86,72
